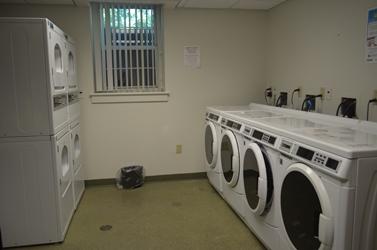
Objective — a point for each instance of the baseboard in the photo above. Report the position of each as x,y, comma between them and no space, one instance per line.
167,177
95,182
172,177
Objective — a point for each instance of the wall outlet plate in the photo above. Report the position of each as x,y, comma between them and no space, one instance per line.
348,108
178,149
326,93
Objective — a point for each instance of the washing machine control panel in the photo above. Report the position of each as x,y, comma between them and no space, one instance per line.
247,130
316,157
213,117
259,135
231,124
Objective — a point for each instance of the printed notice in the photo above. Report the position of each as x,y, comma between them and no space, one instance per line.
191,56
371,42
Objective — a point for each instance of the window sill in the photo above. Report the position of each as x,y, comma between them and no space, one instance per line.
129,97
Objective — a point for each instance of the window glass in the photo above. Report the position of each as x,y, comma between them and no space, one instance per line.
226,158
129,58
209,144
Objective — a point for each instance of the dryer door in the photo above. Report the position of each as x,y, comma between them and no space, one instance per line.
71,68
305,209
76,147
230,158
57,63
63,159
211,144
258,180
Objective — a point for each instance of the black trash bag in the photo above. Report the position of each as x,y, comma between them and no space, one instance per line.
130,177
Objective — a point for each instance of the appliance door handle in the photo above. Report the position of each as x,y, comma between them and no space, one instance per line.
262,191
325,231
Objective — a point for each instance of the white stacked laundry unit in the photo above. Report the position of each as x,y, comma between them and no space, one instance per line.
40,169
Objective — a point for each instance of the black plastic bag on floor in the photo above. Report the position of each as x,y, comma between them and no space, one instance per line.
130,177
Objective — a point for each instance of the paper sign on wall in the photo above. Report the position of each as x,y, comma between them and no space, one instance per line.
191,55
371,41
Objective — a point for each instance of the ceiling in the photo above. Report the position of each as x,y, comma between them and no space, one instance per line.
210,4
229,4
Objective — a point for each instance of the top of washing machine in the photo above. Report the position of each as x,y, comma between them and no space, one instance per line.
349,139
255,114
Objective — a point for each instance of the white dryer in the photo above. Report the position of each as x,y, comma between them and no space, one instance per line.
64,166
212,136
231,146
71,67
33,84
211,142
259,175
78,171
326,195
36,193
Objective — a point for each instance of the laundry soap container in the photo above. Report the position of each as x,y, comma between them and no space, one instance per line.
130,177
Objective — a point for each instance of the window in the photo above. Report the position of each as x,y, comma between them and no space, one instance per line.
127,44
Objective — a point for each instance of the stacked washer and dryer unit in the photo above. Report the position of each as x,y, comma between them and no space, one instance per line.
41,178
307,181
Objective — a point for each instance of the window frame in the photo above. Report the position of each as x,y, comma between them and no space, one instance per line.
100,88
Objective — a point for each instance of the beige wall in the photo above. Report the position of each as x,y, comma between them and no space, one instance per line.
321,43
232,72
299,43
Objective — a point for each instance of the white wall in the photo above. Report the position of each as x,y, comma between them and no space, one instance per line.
232,72
321,43
298,43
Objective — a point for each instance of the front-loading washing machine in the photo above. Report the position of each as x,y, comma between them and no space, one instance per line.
64,167
211,141
327,196
259,175
78,171
36,192
212,136
231,146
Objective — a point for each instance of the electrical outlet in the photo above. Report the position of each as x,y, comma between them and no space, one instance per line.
348,107
310,104
326,93
178,149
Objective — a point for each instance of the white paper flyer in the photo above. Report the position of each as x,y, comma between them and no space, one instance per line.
371,40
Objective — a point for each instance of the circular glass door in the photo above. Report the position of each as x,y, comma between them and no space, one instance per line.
64,169
58,59
230,160
210,144
258,180
304,211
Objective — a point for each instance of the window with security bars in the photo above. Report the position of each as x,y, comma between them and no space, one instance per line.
127,47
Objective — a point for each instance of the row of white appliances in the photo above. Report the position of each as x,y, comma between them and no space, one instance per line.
41,177
298,180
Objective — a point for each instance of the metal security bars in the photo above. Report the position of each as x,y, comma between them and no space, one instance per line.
127,47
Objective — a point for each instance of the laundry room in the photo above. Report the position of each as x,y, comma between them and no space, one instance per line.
195,124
